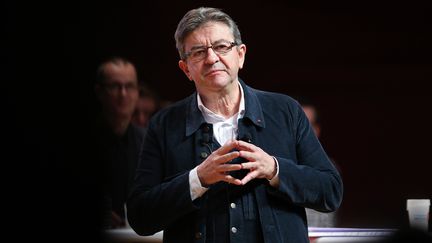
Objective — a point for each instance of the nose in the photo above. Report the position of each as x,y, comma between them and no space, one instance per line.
123,90
211,56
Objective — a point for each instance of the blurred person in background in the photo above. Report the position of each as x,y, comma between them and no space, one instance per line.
117,139
147,104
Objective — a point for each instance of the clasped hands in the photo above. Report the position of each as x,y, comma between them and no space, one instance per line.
216,167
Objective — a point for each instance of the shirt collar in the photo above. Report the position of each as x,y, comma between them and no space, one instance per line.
250,106
211,117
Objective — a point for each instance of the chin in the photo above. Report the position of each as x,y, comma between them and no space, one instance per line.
221,81
123,112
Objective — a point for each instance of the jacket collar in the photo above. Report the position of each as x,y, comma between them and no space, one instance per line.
253,110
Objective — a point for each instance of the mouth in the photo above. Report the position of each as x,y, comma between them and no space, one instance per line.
214,72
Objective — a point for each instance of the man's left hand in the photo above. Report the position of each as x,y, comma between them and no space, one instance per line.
260,164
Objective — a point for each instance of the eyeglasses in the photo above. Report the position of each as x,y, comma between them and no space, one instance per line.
116,87
199,53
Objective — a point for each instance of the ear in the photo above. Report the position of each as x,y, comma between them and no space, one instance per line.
242,54
184,67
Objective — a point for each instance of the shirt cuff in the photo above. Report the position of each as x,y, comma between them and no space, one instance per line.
274,182
196,189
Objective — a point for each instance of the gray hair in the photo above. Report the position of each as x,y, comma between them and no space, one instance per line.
196,18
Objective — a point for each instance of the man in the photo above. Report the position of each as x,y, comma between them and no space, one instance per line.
228,163
117,140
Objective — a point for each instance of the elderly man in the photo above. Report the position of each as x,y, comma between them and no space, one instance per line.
229,163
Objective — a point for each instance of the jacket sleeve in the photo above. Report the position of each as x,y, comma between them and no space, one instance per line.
308,179
157,200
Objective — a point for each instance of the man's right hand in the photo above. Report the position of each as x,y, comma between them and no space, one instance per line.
215,167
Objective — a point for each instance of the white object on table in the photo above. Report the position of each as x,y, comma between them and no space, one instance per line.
418,213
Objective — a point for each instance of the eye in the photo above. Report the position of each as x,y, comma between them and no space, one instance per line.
221,47
131,86
198,53
112,86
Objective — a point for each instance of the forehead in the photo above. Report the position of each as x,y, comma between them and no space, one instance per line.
209,33
120,72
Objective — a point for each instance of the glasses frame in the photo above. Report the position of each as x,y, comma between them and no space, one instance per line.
116,88
205,48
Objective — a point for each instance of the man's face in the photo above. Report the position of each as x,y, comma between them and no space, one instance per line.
214,72
119,91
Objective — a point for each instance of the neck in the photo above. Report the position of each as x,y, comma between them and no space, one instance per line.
225,103
118,124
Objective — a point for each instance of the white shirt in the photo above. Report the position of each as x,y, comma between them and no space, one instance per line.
223,129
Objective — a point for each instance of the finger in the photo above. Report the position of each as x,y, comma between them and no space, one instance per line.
227,157
232,180
249,165
229,167
250,176
227,147
247,155
242,145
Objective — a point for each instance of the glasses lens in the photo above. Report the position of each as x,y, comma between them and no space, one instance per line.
220,48
115,87
198,54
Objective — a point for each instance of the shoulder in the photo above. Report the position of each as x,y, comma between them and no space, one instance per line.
275,100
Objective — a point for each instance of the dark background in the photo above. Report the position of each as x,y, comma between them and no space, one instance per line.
365,64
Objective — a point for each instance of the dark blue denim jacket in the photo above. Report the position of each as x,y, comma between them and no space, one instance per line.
274,122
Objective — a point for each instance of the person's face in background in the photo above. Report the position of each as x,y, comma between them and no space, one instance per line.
311,116
216,71
145,108
119,91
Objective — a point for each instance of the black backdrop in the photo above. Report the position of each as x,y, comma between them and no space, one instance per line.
365,64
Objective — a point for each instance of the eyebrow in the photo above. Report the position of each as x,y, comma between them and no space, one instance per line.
117,81
213,43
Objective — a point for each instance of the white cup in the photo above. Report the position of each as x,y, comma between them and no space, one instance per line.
418,213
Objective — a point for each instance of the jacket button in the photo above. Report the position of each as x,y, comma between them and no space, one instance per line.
233,205
203,155
198,235
234,230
